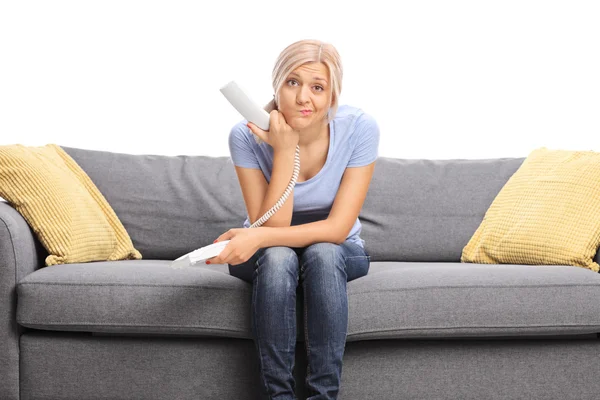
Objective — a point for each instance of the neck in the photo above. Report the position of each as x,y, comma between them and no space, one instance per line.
313,134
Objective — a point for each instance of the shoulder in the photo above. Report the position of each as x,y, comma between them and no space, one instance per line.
240,129
354,120
347,113
241,134
240,140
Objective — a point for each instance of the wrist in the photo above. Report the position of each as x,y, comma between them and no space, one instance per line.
263,236
290,150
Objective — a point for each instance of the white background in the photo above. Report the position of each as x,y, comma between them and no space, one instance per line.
444,79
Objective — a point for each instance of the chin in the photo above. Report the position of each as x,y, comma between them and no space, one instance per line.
300,124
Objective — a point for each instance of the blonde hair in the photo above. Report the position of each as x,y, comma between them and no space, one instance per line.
303,52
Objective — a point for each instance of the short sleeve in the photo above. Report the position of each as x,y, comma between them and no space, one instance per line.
240,148
366,143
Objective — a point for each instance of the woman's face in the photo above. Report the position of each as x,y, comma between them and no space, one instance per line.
305,88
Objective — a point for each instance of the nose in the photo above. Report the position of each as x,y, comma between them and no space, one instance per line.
302,96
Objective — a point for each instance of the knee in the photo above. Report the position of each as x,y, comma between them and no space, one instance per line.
278,267
324,257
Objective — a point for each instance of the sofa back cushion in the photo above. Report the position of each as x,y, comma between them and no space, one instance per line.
427,210
415,210
63,207
170,205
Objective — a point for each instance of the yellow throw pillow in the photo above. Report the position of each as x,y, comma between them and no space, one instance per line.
548,213
61,204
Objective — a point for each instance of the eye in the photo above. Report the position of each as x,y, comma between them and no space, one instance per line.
317,86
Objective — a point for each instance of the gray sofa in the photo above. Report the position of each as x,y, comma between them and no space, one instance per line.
422,325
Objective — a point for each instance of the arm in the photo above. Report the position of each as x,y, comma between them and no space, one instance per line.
283,168
335,229
20,255
299,235
260,195
348,200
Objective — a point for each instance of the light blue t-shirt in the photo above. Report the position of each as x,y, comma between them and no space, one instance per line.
353,142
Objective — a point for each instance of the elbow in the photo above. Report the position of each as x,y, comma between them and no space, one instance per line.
337,235
341,238
275,221
280,222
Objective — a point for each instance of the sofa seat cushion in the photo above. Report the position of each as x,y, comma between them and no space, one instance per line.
395,300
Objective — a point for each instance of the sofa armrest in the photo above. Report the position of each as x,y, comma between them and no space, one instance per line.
20,255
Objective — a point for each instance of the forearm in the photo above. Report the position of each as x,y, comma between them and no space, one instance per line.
283,168
300,235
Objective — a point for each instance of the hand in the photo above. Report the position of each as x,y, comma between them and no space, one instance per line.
244,242
280,135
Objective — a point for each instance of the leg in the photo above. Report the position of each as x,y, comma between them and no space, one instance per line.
324,270
275,280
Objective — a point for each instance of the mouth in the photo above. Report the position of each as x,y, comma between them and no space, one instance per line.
306,112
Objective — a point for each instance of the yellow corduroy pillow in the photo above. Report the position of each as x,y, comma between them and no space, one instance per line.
547,213
62,205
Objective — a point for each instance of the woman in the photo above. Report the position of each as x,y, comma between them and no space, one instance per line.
313,239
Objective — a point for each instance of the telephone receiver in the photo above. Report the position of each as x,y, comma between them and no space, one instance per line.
254,113
246,106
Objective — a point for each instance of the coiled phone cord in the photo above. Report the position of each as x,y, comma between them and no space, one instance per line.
285,195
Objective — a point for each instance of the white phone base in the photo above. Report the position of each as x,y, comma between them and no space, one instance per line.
197,256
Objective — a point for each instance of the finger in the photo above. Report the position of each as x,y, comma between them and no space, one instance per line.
257,131
274,117
213,260
223,236
223,256
254,129
282,119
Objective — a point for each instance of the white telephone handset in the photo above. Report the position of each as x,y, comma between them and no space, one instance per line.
261,118
245,105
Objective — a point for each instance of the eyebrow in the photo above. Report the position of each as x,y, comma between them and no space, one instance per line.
314,77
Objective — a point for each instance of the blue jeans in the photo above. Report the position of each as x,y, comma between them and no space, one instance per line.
323,269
